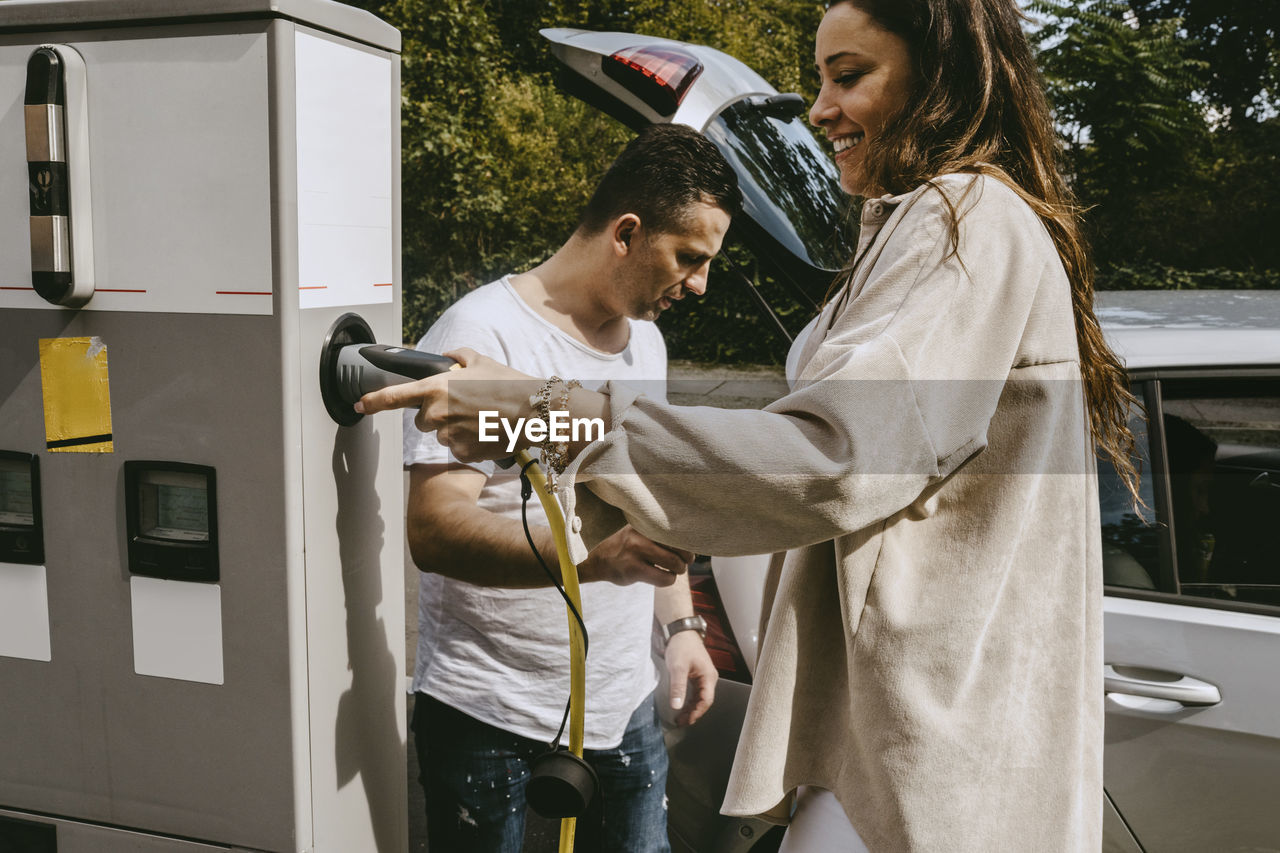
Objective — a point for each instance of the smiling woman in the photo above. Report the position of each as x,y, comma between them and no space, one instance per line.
867,76
930,476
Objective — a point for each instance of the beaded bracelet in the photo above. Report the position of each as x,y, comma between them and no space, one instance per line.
555,454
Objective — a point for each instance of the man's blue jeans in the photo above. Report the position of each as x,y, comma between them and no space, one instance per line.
474,776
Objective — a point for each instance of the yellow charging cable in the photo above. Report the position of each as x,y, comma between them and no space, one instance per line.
577,648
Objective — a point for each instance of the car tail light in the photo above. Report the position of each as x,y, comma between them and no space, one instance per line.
659,76
720,642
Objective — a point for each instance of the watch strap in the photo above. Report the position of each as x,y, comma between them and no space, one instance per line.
688,623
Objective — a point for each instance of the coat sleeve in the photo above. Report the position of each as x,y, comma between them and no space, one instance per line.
897,396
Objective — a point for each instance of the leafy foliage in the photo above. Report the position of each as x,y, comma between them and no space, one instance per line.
1237,41
1167,109
1122,96
497,163
1119,86
1168,185
1162,277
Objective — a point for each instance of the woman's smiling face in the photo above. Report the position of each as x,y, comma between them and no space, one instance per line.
866,75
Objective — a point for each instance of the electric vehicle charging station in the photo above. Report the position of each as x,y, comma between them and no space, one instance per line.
201,600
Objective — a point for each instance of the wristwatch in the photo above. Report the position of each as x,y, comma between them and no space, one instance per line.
688,623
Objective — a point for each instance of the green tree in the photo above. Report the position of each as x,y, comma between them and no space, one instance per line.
1237,39
1122,92
1167,107
1121,89
447,187
1174,194
497,163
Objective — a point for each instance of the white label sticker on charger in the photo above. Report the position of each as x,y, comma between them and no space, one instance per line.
177,629
345,110
24,612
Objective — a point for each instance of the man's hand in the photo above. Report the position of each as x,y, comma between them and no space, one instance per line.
689,666
629,557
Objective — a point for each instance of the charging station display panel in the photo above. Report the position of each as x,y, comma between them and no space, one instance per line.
171,511
21,530
24,592
176,512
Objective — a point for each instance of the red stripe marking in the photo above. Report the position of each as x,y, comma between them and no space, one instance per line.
6,287
243,292
313,287
384,284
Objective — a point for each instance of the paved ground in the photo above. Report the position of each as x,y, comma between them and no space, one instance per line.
748,387
689,385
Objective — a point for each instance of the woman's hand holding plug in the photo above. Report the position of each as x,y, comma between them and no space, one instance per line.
450,405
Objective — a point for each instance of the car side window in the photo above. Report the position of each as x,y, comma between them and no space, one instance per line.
1130,535
1222,447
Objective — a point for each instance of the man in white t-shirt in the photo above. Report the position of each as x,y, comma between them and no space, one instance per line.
492,674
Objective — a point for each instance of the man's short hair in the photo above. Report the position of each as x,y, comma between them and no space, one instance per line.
659,176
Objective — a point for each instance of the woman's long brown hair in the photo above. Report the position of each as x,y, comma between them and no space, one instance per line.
979,106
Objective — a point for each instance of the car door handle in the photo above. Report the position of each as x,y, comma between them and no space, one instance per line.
1156,684
1263,481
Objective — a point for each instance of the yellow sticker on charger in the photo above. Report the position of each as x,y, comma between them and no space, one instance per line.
77,396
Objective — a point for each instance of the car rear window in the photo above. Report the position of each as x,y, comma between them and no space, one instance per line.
790,185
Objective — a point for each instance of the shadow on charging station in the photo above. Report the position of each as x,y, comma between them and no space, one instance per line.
366,723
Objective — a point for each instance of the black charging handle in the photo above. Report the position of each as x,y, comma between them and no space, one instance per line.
352,365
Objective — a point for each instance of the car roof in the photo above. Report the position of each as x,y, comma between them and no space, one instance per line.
1191,328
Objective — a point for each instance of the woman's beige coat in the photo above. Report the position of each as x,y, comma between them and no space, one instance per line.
933,649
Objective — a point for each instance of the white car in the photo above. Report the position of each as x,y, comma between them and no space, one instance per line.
1192,605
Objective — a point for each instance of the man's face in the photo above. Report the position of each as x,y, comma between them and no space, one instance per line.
661,268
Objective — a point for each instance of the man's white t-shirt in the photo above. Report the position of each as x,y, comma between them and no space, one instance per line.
502,655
